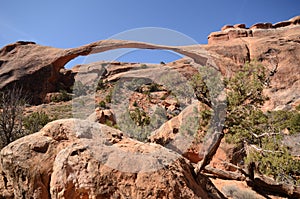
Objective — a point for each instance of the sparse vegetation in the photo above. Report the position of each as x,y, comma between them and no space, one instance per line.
100,85
60,111
259,134
108,97
63,96
35,121
102,104
140,117
12,103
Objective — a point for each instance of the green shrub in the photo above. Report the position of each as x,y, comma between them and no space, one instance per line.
260,133
140,117
35,121
102,104
246,126
63,96
100,85
108,97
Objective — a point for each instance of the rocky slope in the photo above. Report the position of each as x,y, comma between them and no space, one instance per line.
76,158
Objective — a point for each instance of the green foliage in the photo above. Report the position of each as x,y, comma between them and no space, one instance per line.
205,117
108,97
139,125
63,96
274,159
285,120
298,107
100,85
294,123
102,104
260,133
244,97
35,121
246,86
111,124
140,117
207,85
153,87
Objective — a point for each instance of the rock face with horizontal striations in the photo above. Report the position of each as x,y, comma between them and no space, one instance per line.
79,159
229,32
276,48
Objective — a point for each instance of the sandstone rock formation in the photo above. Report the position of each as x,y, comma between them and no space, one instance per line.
80,159
103,116
275,47
229,32
42,68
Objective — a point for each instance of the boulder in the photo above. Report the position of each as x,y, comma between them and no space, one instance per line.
240,25
295,20
216,37
277,49
226,27
261,26
282,24
103,116
74,158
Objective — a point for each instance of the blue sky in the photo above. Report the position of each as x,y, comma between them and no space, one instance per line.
67,24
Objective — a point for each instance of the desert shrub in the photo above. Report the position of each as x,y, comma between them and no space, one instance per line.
258,133
285,120
207,85
63,96
35,121
135,104
111,124
12,103
102,104
140,117
100,85
153,87
108,97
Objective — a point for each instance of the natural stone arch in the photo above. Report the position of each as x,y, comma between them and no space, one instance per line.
194,52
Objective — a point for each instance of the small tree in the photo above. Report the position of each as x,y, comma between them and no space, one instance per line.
12,104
